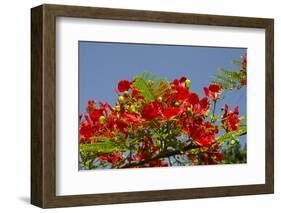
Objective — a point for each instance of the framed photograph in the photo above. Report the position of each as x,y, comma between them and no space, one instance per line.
136,106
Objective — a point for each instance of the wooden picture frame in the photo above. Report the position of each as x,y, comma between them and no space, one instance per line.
43,105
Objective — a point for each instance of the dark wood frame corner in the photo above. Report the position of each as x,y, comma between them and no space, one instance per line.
43,105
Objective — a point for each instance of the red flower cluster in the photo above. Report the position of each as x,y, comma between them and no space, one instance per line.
151,120
230,119
213,91
203,133
111,158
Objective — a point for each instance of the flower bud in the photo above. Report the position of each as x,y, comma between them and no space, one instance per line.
177,104
207,113
213,118
126,93
187,83
121,99
149,82
237,140
158,142
160,99
118,108
102,120
133,108
233,142
188,111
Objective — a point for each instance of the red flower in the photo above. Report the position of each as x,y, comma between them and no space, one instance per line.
182,92
201,107
218,156
230,120
121,125
105,107
85,131
171,112
180,82
95,114
244,82
203,133
204,104
111,158
135,92
91,105
193,99
157,163
131,118
152,110
124,85
213,91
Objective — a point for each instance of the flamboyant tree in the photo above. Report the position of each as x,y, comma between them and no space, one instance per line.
157,123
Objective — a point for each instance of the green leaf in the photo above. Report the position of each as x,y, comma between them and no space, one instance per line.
243,118
103,147
235,62
230,135
225,79
103,139
160,86
146,76
229,79
141,85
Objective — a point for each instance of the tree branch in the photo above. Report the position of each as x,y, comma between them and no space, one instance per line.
163,154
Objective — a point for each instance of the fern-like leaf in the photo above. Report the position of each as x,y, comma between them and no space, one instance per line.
102,147
142,86
233,134
151,86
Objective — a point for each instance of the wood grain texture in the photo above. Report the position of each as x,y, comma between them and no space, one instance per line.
43,105
36,106
269,107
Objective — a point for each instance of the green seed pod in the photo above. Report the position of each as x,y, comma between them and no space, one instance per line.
158,142
133,108
207,113
177,104
213,118
160,99
126,93
121,99
102,120
187,83
233,142
149,82
188,111
118,108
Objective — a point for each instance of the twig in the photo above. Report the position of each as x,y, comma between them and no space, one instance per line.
163,154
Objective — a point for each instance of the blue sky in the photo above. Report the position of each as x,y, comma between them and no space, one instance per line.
102,65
